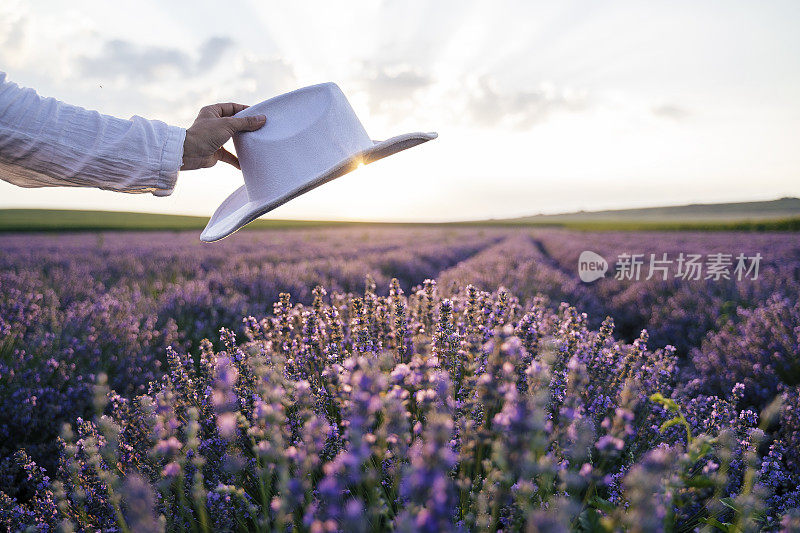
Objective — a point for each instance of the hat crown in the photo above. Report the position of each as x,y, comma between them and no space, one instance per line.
307,133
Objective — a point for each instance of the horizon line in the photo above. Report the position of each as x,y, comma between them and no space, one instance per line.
396,221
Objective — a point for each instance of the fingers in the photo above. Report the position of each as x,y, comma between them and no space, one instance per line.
221,110
246,123
227,157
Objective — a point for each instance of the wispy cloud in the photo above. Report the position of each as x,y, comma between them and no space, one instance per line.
127,61
388,83
212,51
15,29
488,104
398,90
670,111
260,77
392,90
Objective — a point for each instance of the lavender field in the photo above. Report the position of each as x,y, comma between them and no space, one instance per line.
409,379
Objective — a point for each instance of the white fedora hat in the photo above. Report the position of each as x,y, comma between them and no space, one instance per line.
311,136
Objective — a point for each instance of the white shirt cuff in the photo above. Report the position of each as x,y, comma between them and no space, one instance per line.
171,161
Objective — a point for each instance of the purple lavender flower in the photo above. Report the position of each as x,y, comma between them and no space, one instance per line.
485,387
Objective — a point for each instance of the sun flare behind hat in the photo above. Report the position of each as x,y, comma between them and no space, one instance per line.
312,136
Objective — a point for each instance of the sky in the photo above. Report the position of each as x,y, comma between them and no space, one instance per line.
541,107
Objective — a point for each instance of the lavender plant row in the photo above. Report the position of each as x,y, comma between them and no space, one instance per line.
478,402
75,305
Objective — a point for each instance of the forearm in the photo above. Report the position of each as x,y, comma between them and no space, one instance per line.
44,142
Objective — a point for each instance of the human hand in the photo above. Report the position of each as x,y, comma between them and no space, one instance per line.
214,125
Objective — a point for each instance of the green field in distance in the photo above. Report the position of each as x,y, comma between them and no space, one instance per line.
775,215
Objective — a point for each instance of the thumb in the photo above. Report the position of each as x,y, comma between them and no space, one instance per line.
245,123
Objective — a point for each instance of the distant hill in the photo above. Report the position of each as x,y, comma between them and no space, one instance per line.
692,213
13,220
780,215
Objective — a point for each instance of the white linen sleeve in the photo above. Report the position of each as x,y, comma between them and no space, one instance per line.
45,142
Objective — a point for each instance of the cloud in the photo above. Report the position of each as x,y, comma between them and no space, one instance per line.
212,51
394,82
488,104
400,91
395,92
16,35
172,83
246,79
670,111
257,78
128,61
392,89
15,31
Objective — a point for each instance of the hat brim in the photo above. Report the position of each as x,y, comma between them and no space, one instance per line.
239,210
